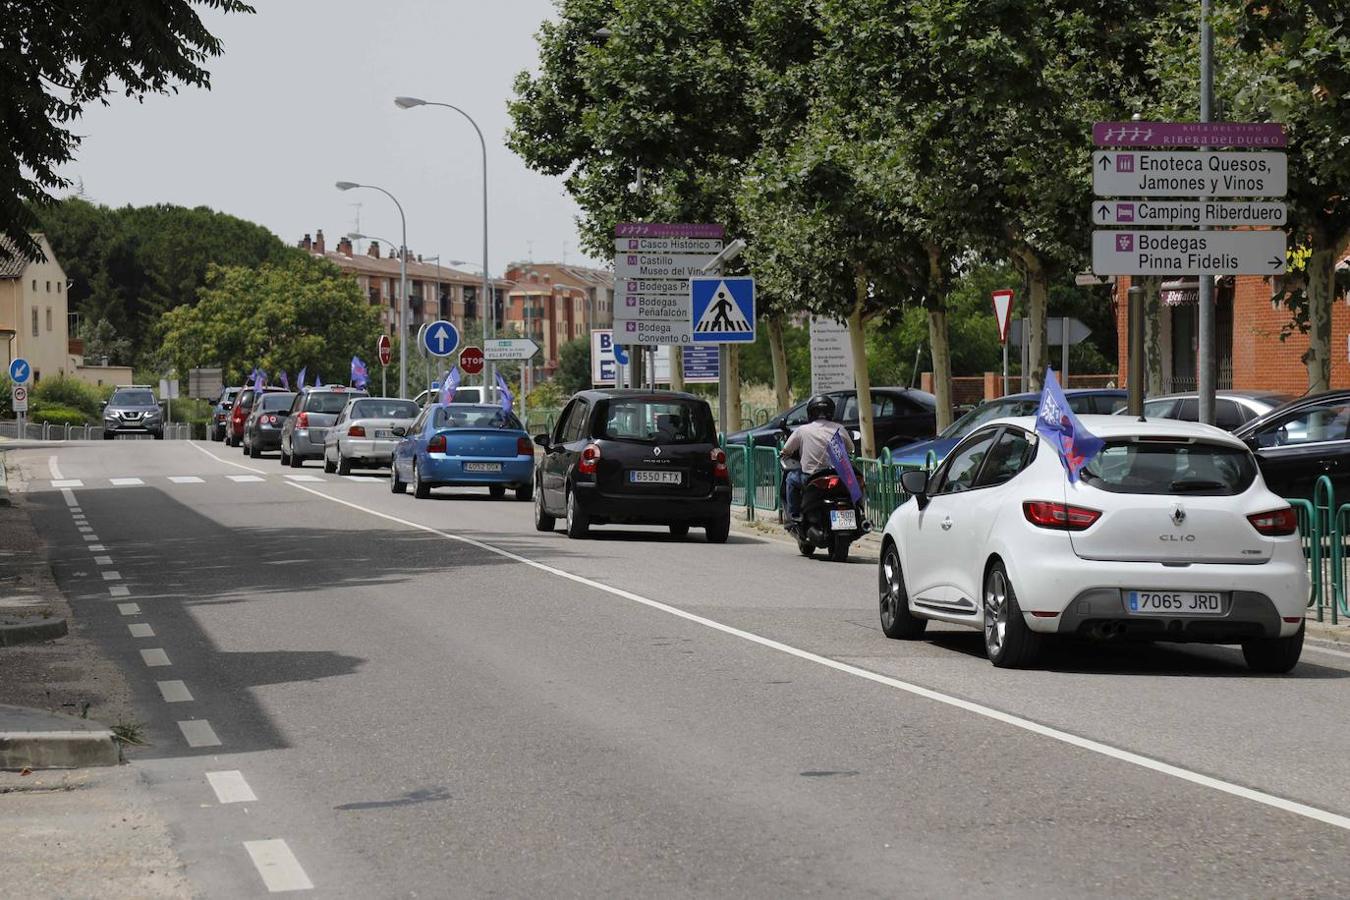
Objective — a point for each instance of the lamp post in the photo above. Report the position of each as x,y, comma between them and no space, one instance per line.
403,286
488,298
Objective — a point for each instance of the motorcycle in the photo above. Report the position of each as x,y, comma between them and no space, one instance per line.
830,519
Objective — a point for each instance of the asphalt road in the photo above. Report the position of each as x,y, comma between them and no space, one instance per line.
428,698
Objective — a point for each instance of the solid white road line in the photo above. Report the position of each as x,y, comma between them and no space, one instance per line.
119,590
112,575
174,692
277,865
54,468
186,479
103,560
125,482
230,787
155,657
199,733
243,479
129,609
988,712
140,629
69,496
67,483
229,462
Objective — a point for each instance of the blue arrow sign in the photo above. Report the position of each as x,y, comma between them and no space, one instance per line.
19,371
441,338
722,310
620,355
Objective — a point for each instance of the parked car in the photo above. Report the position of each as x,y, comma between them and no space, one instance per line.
1083,401
239,412
469,394
1170,534
363,434
132,409
899,416
1232,409
1296,444
463,444
262,431
634,457
313,411
220,412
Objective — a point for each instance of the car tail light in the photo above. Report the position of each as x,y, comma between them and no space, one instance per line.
356,431
1059,516
590,460
1276,523
719,461
436,444
239,416
524,446
302,420
267,420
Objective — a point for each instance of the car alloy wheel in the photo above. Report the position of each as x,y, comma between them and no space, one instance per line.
897,622
1008,641
421,490
995,612
542,520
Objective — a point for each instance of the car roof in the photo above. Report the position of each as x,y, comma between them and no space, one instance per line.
1124,427
1068,392
636,394
1233,395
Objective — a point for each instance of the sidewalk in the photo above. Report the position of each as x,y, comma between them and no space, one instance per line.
765,524
67,831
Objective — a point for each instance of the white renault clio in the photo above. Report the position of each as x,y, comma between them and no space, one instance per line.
1170,534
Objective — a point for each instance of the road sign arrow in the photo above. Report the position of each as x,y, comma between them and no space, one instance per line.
440,339
1103,211
1104,164
1276,263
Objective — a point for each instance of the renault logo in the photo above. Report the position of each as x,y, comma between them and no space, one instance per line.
1178,515
656,451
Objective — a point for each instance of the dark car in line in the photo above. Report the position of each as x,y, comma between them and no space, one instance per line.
262,431
899,416
239,413
1296,444
639,457
220,412
1083,401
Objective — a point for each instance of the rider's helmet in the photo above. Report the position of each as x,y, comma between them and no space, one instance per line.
819,407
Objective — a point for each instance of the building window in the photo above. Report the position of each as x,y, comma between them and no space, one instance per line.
35,322
49,318
35,285
49,287
58,287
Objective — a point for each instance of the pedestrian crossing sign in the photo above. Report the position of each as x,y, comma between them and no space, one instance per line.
722,310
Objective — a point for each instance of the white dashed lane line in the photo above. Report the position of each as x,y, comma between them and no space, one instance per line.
155,657
69,496
199,733
174,692
90,537
277,865
75,509
96,548
119,590
230,787
129,609
103,560
304,478
140,630
67,483
245,478
112,575
125,482
186,479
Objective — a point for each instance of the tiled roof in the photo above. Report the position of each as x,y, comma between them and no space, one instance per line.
387,267
12,265
551,274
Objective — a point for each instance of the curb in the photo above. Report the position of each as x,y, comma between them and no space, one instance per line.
47,628
4,483
1323,631
35,739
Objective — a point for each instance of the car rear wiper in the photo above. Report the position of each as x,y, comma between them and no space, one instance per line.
1196,484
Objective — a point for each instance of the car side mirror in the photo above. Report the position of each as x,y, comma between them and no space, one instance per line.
915,482
542,440
856,435
399,430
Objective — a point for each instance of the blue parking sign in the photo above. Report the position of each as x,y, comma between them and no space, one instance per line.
722,310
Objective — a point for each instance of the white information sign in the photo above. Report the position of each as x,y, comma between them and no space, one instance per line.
659,265
711,246
831,356
1188,252
510,348
1151,213
1195,173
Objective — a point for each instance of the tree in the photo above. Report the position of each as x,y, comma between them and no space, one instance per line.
102,343
302,313
58,59
574,366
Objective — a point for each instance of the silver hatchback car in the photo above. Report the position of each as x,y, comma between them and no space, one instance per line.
313,412
363,435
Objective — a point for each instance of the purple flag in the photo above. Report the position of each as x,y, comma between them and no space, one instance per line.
1056,423
837,450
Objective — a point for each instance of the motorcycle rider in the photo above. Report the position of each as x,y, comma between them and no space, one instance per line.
807,444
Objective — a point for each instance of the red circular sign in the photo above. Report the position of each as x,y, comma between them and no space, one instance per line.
382,349
471,360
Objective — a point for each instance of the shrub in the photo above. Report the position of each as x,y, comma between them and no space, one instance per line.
69,393
57,414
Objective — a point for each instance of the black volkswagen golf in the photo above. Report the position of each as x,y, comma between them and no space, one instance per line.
633,457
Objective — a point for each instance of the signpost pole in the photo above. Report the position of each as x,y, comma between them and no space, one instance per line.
1135,381
723,360
1205,355
1064,352
1005,368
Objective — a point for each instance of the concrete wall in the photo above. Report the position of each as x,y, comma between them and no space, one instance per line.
103,376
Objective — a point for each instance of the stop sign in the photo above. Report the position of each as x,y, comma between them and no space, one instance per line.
471,360
382,349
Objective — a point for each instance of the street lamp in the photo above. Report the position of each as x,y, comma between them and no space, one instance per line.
488,297
403,285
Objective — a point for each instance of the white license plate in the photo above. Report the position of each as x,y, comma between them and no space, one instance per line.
653,476
383,433
482,467
1185,603
843,520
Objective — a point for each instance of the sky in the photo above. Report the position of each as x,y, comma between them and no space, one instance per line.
302,97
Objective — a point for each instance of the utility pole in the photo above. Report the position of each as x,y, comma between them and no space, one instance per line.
1205,354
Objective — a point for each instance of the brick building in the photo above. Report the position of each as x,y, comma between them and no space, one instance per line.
554,303
434,291
1249,354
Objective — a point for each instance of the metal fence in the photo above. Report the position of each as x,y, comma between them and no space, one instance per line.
48,431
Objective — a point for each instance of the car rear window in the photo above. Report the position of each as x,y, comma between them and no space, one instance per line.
272,402
455,416
384,409
132,398
326,402
1163,466
656,421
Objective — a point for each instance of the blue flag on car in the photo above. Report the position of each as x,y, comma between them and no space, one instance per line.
318,380
300,379
285,381
508,399
449,384
360,375
259,380
1056,423
837,451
